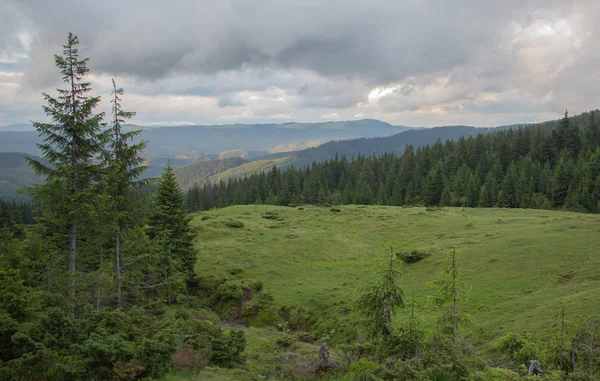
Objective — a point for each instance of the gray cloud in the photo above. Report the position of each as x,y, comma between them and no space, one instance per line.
310,58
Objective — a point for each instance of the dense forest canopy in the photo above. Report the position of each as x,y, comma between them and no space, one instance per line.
554,165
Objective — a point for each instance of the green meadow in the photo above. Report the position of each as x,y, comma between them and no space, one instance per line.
521,265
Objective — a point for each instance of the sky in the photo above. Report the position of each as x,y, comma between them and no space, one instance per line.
406,62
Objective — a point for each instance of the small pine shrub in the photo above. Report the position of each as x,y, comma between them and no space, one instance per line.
335,210
234,224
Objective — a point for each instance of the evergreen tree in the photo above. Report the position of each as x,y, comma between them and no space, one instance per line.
72,143
434,186
125,167
379,302
591,134
169,224
451,291
563,176
566,137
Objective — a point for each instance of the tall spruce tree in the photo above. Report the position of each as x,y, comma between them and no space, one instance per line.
72,142
170,224
125,165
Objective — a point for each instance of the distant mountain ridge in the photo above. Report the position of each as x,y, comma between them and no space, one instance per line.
15,174
169,140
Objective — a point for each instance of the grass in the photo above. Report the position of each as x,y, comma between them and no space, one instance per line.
521,264
247,169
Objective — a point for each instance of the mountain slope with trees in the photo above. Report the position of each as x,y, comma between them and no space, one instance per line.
542,166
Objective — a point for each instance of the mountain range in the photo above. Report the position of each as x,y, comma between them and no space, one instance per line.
212,153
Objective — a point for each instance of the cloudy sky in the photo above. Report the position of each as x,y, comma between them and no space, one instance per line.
409,62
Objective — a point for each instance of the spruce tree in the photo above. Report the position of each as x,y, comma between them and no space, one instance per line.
451,291
170,224
72,142
434,186
591,134
125,167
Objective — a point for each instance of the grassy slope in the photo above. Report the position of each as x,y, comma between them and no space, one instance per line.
247,169
521,263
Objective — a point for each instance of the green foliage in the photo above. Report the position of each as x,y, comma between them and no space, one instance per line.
530,167
518,349
170,222
450,292
362,370
379,302
72,142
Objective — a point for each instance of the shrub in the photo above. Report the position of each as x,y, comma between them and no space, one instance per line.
234,224
412,256
363,370
517,348
228,293
204,218
260,311
257,286
235,271
284,341
227,350
335,210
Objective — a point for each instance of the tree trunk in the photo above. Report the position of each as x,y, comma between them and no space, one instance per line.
99,286
72,252
168,288
118,268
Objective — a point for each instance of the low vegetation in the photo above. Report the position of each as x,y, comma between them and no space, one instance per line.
513,274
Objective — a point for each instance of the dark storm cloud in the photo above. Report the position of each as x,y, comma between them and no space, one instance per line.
384,40
480,56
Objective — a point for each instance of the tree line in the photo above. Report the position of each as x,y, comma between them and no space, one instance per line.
528,167
85,292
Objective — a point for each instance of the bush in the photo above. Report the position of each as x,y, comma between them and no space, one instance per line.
517,348
227,350
234,224
260,311
413,256
284,341
335,210
363,370
228,293
257,286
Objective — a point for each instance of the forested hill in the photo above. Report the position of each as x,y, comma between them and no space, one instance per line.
15,174
200,171
540,166
397,143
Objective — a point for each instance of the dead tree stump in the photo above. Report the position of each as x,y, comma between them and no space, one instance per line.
324,363
535,369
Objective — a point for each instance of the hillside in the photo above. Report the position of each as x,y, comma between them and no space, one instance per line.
396,143
248,169
521,264
15,174
200,171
